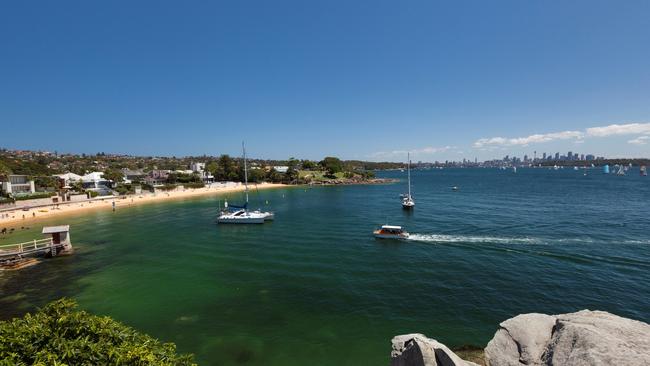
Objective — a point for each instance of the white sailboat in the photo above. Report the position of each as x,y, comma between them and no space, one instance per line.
407,200
240,214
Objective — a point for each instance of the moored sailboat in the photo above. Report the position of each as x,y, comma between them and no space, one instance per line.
407,200
241,214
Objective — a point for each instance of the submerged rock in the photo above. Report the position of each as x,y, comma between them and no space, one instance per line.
418,350
576,339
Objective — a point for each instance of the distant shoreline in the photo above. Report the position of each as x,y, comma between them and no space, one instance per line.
31,215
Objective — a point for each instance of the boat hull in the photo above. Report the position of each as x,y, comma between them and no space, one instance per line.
245,220
402,236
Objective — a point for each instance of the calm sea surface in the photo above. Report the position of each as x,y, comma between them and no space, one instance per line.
314,287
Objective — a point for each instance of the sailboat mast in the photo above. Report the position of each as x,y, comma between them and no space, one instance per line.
409,173
245,171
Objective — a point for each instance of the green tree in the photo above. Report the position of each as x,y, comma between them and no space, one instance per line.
46,182
309,165
292,173
4,170
226,169
332,165
59,334
114,175
274,176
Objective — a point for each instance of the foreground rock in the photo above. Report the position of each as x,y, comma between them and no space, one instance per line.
581,338
418,350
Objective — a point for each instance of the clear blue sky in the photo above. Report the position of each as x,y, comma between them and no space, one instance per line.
355,79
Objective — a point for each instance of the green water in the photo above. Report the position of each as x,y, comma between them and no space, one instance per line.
315,287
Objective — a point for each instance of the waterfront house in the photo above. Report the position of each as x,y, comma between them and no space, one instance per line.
199,168
95,180
157,177
67,179
17,184
133,175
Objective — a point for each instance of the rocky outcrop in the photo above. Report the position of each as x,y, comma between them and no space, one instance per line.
418,350
581,338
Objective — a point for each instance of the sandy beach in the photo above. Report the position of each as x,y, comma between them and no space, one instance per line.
11,218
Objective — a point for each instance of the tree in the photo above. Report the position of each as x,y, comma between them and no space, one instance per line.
225,169
114,175
4,170
274,176
309,165
46,182
332,165
59,334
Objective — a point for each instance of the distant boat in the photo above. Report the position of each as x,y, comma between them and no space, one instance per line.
454,188
407,201
555,167
643,171
240,214
575,168
621,170
390,232
606,169
514,169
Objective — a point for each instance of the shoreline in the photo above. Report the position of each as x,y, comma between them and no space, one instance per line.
34,214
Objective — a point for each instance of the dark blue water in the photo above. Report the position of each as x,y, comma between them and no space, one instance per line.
315,286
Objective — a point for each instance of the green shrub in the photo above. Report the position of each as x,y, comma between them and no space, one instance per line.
194,185
93,194
34,196
59,334
167,187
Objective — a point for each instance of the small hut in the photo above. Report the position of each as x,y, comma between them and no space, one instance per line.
60,239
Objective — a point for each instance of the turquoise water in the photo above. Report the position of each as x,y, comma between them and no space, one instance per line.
315,287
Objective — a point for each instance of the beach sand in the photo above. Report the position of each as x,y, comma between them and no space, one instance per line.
18,216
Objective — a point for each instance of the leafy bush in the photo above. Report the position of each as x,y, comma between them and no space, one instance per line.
167,187
93,194
58,334
34,196
194,185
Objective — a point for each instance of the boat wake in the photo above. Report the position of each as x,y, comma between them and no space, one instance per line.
448,239
439,238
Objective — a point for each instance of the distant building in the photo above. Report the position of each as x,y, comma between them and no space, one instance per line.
17,184
590,157
281,168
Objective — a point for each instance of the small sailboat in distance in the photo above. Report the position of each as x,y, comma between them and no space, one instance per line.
643,171
407,200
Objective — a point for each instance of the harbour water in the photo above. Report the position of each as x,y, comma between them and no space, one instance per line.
314,287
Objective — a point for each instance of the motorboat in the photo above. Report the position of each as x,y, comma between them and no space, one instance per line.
391,232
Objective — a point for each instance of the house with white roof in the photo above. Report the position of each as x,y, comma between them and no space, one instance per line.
68,179
94,180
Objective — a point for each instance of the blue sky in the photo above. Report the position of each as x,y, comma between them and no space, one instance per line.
356,79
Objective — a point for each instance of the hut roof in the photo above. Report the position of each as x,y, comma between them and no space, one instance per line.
56,229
